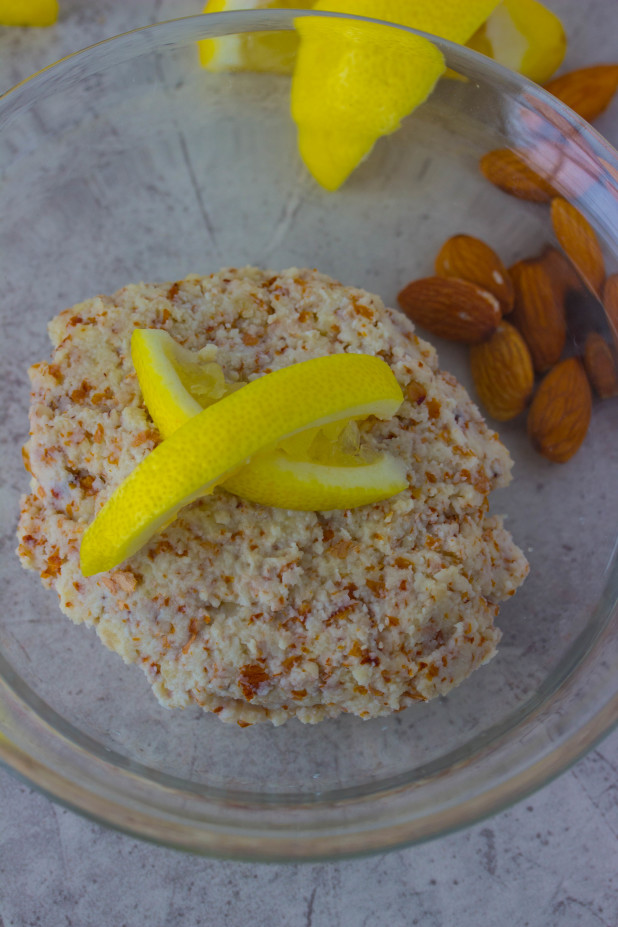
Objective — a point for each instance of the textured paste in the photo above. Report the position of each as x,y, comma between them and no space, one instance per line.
257,613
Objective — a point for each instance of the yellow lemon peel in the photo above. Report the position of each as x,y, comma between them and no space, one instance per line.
28,12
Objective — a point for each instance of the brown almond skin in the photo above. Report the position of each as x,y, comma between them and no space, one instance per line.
451,308
560,412
579,241
471,259
502,372
508,170
600,366
588,91
538,313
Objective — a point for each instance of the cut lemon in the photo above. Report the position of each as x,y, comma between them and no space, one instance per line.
354,82
251,51
215,443
28,12
525,36
176,383
315,470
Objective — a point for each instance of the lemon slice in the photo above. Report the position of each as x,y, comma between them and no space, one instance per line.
525,36
28,12
319,469
221,439
251,51
354,82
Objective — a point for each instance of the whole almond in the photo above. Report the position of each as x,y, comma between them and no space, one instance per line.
600,366
508,170
560,411
451,308
471,259
587,91
502,372
579,242
539,312
610,304
564,276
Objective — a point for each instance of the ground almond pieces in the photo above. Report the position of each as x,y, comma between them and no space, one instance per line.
258,613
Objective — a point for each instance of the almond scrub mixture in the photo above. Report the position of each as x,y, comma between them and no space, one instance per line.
261,613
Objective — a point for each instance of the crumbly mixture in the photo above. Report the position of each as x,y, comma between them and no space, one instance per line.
257,613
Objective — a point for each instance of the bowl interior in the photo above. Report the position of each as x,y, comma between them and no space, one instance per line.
131,163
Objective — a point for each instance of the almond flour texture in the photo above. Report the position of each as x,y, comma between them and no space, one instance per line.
256,613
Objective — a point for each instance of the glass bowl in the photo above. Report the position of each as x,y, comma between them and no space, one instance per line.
129,162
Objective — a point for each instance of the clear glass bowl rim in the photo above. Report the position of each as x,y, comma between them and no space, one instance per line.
245,826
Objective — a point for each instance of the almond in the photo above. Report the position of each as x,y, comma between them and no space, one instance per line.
610,304
502,372
560,411
508,170
471,259
587,91
451,308
579,242
600,366
563,274
539,312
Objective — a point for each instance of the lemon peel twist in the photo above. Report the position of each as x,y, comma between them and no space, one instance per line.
218,441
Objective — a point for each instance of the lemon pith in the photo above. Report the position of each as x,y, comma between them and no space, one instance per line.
223,437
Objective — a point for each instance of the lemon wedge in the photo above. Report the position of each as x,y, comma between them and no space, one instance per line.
525,36
354,82
218,441
176,383
251,51
316,470
28,12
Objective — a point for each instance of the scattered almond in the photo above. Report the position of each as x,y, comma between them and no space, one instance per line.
587,91
560,411
508,170
451,308
610,304
600,366
538,313
580,243
564,276
502,372
471,259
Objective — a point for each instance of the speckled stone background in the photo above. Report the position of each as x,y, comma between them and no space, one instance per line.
551,861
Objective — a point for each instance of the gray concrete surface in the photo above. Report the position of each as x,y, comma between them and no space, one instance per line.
550,861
